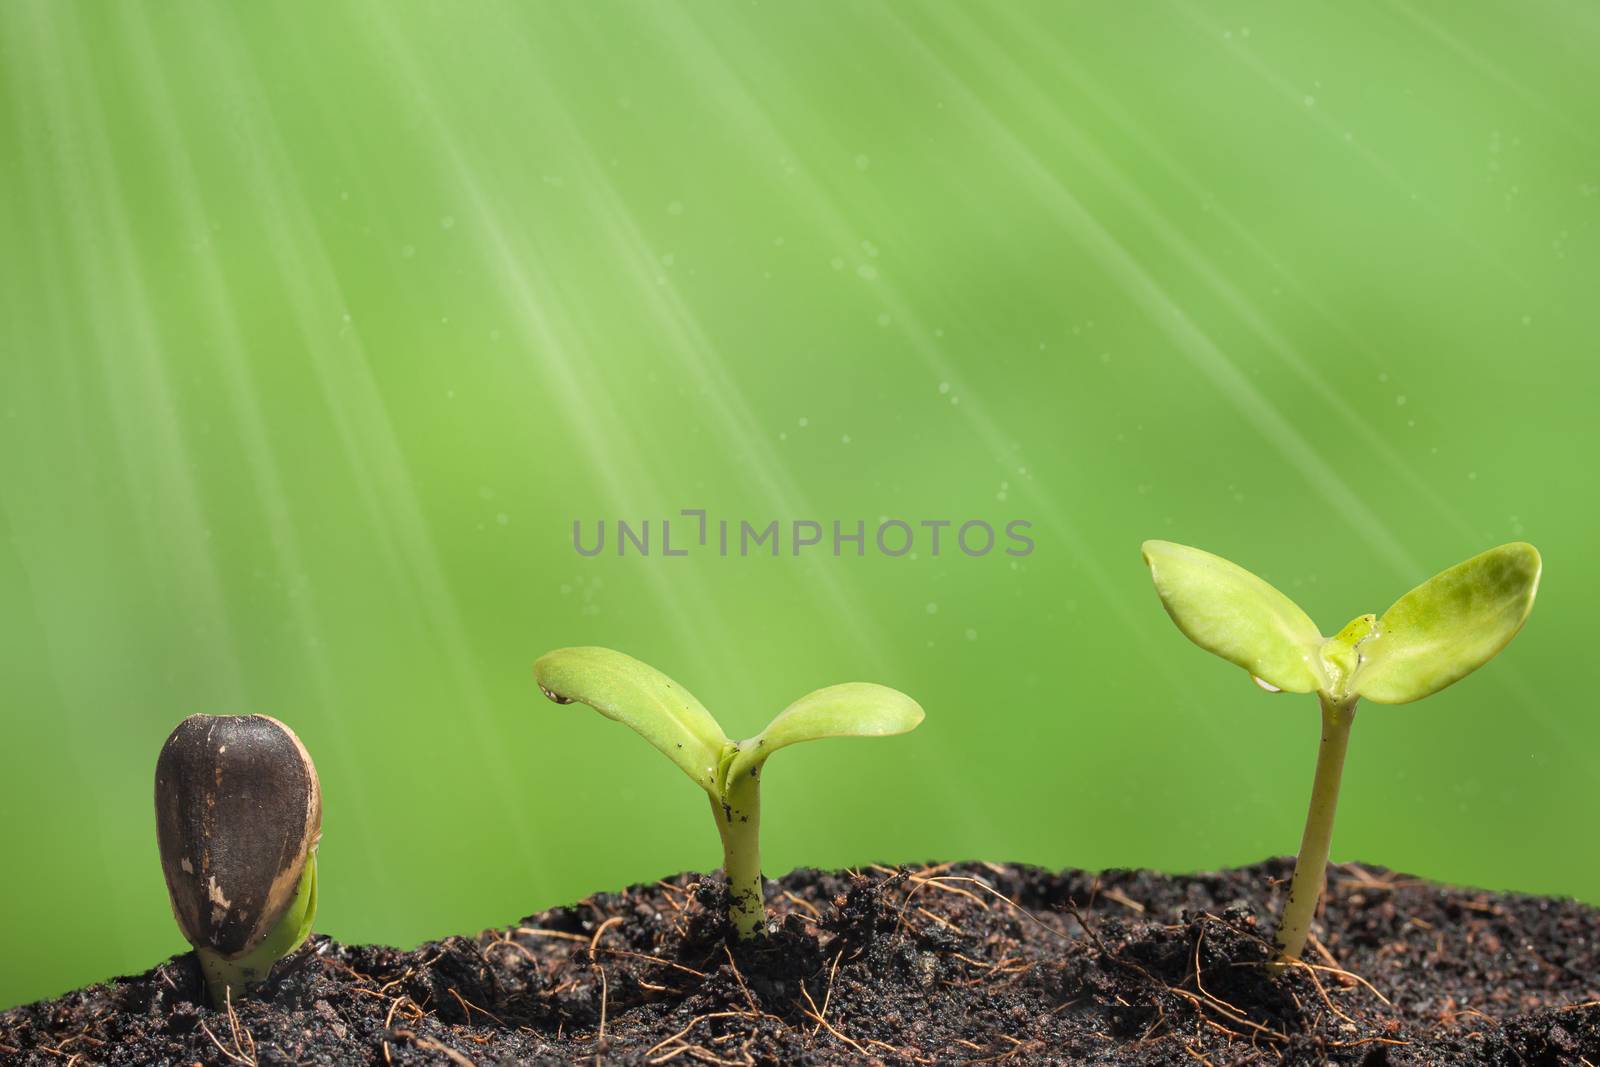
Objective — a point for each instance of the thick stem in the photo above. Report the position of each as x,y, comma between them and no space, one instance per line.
1309,868
223,975
738,818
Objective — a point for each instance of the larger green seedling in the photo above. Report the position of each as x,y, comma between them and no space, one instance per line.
666,715
1438,633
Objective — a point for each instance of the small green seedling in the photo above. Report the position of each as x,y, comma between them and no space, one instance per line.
666,715
1438,633
238,818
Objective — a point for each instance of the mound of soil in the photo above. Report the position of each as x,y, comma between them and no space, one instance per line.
949,964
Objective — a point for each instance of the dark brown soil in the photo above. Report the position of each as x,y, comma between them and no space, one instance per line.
969,963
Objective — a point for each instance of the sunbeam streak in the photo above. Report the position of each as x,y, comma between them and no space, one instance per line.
233,361
1215,277
1192,342
365,432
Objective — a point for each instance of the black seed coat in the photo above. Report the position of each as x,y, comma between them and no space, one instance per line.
238,809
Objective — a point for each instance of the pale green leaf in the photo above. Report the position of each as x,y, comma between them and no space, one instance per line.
854,709
1449,626
639,696
1230,612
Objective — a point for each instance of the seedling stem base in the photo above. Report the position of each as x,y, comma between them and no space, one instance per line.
739,822
1305,888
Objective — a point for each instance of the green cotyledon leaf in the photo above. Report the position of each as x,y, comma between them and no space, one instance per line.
853,709
1448,626
1231,613
641,697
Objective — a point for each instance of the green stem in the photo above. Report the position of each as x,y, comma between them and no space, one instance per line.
738,817
223,974
1312,864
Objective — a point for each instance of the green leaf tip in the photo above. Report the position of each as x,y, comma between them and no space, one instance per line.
637,695
1233,614
853,709
1435,635
1449,626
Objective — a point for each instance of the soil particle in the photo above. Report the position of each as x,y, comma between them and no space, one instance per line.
947,964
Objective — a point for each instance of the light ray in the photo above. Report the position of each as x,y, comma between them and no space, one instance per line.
1181,329
154,449
597,424
697,355
757,127
1294,96
1475,59
1373,441
189,201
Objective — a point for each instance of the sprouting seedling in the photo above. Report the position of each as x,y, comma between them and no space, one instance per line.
670,718
1435,635
238,818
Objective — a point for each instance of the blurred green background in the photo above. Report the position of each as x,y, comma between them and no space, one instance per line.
323,322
